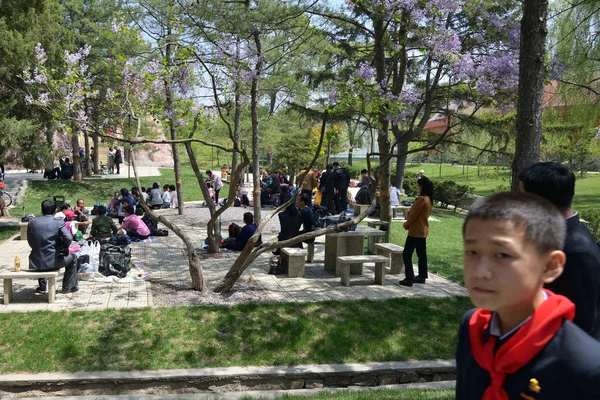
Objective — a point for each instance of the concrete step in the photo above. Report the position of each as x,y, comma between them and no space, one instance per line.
224,380
260,394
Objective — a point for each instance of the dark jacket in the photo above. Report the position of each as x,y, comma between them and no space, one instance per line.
47,238
242,238
118,157
567,368
580,280
342,178
290,224
328,181
103,226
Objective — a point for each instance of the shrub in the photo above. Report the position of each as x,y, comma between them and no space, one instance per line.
449,193
410,186
592,218
501,189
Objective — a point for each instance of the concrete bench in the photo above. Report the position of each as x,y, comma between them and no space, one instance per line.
395,253
359,208
23,226
295,260
382,226
9,276
380,263
404,210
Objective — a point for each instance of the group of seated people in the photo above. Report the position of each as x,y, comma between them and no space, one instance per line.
275,188
295,220
136,225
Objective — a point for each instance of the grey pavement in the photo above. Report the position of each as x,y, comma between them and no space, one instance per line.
170,283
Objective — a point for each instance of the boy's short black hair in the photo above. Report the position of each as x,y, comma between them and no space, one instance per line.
544,225
48,207
172,188
101,210
129,210
124,192
64,207
336,164
553,181
364,171
248,218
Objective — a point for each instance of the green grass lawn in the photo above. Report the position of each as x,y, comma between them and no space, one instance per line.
266,334
7,231
380,394
444,244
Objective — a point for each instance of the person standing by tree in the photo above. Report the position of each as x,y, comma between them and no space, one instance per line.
342,182
418,229
118,159
111,160
580,280
327,188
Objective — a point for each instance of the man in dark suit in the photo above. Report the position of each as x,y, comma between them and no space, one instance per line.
49,240
580,280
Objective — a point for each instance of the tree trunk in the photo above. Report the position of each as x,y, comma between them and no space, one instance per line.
350,156
401,162
76,159
383,137
255,129
531,86
87,163
194,264
236,129
96,141
173,132
269,162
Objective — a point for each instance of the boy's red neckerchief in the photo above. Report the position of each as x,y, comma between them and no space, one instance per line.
518,350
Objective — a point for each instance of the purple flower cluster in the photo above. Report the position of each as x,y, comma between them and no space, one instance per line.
365,72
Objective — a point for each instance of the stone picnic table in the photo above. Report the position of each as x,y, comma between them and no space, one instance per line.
347,244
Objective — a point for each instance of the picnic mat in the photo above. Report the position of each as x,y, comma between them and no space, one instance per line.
149,239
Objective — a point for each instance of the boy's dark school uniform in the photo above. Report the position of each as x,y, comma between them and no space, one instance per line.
580,280
567,368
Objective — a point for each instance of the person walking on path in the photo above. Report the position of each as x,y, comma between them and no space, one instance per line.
580,280
215,180
418,229
118,159
49,240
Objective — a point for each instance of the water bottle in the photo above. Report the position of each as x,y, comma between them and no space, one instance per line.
17,264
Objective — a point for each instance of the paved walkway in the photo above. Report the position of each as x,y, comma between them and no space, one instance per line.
170,284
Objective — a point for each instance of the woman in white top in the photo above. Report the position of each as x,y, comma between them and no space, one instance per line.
111,160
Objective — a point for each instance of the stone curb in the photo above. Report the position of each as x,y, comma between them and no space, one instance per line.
233,379
261,394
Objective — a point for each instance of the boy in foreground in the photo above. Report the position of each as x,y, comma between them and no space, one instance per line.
520,342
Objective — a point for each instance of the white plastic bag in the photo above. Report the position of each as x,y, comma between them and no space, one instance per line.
92,248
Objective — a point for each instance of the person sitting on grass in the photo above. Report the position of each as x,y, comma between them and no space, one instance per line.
133,224
156,196
174,200
166,197
102,226
60,215
239,242
520,341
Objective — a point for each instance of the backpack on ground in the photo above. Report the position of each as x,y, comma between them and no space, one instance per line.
237,202
318,212
363,196
115,260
